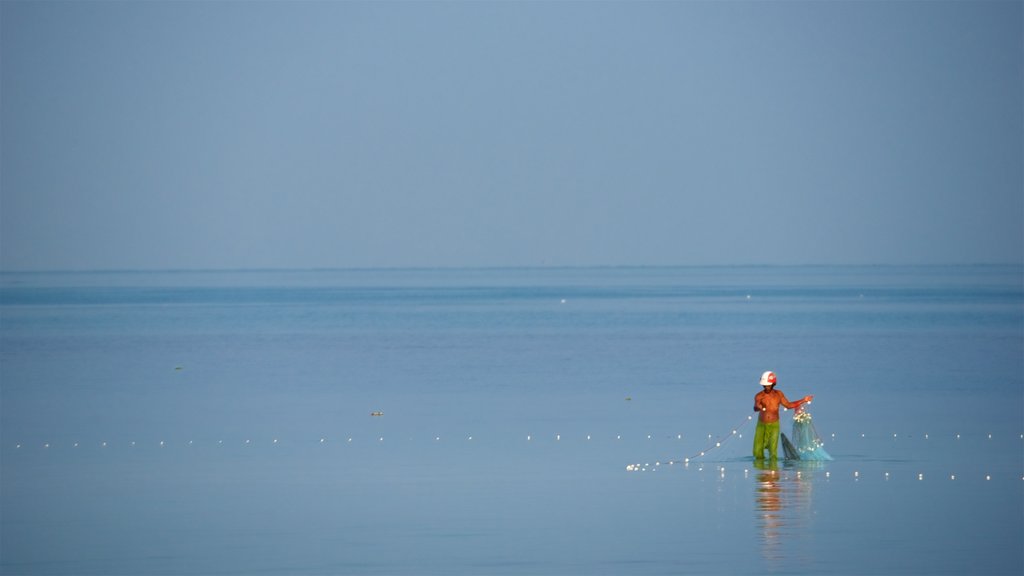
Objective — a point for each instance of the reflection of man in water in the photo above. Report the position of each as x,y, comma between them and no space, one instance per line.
767,403
770,506
784,511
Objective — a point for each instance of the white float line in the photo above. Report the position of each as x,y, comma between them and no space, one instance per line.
926,436
529,438
787,474
645,467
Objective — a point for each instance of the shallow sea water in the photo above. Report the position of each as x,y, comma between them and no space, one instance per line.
220,422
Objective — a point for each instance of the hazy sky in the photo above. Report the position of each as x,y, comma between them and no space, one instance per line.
337,134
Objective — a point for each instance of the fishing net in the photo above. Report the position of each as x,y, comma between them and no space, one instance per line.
805,444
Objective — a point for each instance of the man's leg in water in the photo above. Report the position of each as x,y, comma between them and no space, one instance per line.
759,441
771,437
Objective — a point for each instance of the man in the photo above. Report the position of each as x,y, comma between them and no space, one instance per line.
767,403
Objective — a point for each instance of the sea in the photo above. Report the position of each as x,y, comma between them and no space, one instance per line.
509,421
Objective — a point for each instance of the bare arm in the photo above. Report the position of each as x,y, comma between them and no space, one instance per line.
791,405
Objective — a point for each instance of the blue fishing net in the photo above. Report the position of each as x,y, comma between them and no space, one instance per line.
805,443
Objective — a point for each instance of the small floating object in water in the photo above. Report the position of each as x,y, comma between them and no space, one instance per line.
178,368
629,398
376,413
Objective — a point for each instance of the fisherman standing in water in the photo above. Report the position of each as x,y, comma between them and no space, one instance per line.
767,403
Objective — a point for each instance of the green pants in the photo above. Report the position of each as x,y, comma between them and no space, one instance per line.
766,437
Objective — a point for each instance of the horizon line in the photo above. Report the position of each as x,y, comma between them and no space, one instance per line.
492,267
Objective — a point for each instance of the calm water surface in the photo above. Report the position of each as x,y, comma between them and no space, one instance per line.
220,422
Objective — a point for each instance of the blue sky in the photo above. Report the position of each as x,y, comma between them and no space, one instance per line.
155,135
